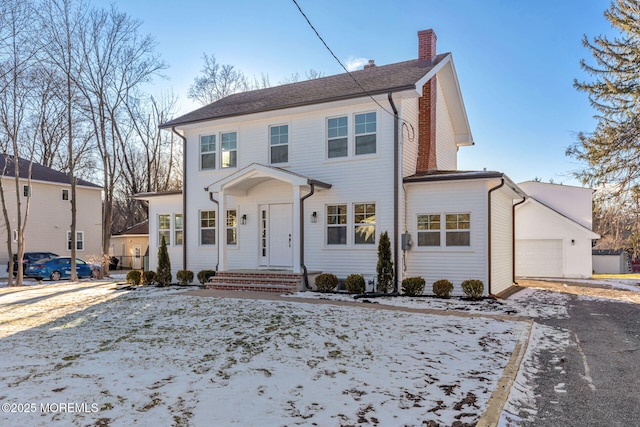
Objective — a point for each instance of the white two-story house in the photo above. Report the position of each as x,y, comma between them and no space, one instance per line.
305,177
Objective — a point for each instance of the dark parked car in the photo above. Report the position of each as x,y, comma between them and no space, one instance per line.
57,268
28,258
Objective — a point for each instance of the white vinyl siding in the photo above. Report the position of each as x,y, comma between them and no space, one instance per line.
501,242
446,148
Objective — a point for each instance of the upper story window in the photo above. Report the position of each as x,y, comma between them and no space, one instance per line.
365,134
26,191
229,146
65,194
208,152
337,137
279,144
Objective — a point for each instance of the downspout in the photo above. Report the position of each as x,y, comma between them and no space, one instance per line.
396,200
184,197
489,233
304,267
513,237
217,215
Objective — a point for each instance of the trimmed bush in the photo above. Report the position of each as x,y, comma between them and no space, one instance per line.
134,277
205,275
326,282
184,276
355,284
442,288
413,286
473,288
148,277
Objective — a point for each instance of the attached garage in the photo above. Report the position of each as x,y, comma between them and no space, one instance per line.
539,258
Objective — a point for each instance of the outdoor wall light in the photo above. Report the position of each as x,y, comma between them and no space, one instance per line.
243,219
314,217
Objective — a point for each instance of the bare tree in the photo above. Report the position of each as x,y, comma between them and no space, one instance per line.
217,81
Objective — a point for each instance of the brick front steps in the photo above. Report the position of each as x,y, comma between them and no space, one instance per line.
260,281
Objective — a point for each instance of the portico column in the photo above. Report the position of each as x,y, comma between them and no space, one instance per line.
221,228
295,235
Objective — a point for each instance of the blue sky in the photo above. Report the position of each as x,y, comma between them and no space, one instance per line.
516,60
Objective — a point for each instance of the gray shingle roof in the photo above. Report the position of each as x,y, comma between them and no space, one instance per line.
376,80
38,172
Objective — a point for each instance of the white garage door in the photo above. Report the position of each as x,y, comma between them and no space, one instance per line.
539,258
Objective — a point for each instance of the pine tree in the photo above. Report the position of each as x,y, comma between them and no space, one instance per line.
385,264
611,152
163,274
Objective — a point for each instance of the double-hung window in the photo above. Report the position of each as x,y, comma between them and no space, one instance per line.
429,230
458,231
337,224
79,241
207,227
364,222
337,137
164,228
207,152
279,144
365,134
65,194
178,228
232,227
229,147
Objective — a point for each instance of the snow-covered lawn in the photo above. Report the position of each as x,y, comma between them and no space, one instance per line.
86,354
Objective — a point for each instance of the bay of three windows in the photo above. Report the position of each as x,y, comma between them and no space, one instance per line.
364,142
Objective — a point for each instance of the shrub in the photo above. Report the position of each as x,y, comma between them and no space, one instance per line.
184,276
326,282
384,268
133,277
442,288
163,274
355,284
148,277
413,286
473,288
205,275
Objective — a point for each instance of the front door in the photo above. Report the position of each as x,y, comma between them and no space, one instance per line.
137,254
278,233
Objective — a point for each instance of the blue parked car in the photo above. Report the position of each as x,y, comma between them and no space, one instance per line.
57,268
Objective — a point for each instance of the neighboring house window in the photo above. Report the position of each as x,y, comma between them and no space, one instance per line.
26,191
177,226
365,133
229,147
164,228
207,227
364,223
337,225
65,194
15,235
279,144
337,137
429,230
458,229
208,152
79,240
232,227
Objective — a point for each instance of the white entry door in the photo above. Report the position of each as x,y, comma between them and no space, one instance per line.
137,255
279,236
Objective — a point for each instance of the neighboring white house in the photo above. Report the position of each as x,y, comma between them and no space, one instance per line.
130,246
305,177
611,261
553,231
49,216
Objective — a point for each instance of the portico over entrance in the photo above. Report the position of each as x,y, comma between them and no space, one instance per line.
261,217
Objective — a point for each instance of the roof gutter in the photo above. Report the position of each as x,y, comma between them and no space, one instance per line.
218,215
184,197
513,237
396,193
491,190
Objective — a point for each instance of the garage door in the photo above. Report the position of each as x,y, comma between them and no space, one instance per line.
539,258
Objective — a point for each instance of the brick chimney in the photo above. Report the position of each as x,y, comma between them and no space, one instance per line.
371,64
427,107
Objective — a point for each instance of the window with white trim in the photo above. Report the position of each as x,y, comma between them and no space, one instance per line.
279,144
232,227
164,229
429,230
229,147
365,133
207,152
337,137
337,225
364,223
458,229
26,191
207,227
177,229
65,194
79,241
